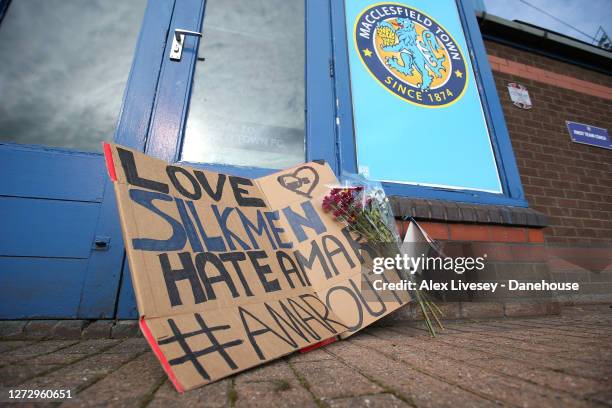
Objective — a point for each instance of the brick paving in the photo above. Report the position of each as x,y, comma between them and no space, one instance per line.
552,361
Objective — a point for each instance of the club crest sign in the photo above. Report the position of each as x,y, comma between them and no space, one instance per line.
411,55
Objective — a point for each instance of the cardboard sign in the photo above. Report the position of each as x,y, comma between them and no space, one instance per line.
231,272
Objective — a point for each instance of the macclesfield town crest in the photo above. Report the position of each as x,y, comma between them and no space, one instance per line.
411,55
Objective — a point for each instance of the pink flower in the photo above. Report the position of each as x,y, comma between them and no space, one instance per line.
344,203
327,203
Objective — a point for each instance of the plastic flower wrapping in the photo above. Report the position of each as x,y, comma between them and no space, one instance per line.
363,206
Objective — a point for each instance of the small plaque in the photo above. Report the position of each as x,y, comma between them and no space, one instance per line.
588,134
519,95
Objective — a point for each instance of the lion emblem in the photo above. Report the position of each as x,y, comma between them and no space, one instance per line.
416,53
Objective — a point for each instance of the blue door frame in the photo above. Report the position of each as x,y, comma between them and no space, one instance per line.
101,294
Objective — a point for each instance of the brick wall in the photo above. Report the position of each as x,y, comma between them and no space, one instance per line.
569,182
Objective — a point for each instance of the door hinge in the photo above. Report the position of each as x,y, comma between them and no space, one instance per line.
332,70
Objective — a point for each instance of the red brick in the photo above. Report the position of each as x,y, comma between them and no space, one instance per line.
401,227
497,60
563,202
507,234
535,235
436,230
466,232
494,251
529,253
525,308
476,310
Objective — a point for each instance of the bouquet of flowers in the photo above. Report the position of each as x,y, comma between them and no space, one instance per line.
363,206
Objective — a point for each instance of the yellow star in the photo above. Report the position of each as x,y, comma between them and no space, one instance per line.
367,52
459,74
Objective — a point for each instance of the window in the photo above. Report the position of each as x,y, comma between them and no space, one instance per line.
247,103
426,120
64,65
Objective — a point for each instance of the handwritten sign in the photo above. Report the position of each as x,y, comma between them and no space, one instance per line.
231,272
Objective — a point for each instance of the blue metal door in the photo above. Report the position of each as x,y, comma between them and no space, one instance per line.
255,94
64,65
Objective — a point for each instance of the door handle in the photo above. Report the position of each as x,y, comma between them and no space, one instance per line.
178,41
101,243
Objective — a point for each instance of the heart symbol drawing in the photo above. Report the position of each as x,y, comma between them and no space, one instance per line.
302,181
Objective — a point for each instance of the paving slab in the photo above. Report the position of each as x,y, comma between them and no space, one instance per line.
12,328
13,375
413,386
215,395
68,329
369,401
100,329
125,329
273,393
129,386
13,345
39,329
33,350
329,379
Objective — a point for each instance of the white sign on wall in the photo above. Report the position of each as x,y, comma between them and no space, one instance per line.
519,95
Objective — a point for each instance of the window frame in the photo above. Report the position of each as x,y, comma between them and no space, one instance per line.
512,195
171,110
